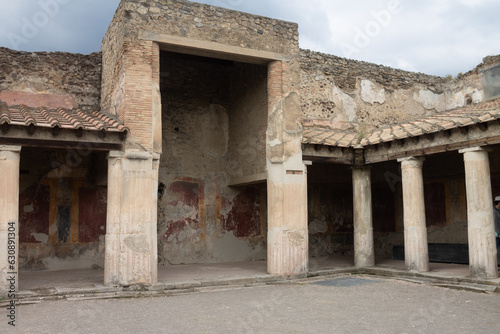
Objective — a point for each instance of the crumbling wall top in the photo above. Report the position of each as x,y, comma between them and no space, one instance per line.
207,23
345,72
64,74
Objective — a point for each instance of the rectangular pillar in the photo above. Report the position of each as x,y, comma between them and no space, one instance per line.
131,255
415,229
481,226
9,217
287,241
364,255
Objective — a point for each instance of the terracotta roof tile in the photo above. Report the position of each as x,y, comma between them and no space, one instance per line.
349,140
333,140
4,114
485,112
399,132
75,119
466,121
27,116
427,127
413,130
447,125
486,118
364,142
385,137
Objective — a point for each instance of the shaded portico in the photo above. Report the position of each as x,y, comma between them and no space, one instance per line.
471,132
72,134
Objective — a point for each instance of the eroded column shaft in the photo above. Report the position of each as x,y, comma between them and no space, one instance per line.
364,255
415,230
9,217
481,229
131,237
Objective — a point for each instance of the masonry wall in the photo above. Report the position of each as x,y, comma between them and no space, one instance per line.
360,96
208,23
134,19
213,116
62,210
65,79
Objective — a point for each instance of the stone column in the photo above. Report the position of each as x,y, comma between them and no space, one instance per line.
364,255
287,239
415,229
481,229
131,237
9,217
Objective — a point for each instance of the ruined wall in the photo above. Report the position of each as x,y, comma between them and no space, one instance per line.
201,219
185,19
72,80
209,23
62,210
363,96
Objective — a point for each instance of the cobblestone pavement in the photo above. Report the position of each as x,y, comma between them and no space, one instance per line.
334,305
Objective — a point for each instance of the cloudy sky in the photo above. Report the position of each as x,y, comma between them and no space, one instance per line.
432,36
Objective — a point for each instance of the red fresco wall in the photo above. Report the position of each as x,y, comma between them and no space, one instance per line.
244,217
34,206
91,214
188,194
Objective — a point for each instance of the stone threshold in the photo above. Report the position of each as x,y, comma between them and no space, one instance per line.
36,296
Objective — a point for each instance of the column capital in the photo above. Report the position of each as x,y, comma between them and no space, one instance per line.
361,167
9,148
10,153
412,162
475,149
115,154
133,155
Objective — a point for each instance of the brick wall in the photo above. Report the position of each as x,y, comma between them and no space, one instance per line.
140,64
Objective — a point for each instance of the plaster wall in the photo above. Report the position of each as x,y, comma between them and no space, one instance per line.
361,96
62,210
214,113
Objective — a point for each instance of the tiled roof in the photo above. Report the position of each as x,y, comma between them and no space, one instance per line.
74,119
453,119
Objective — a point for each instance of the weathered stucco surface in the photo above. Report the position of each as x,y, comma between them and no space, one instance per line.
62,210
214,116
363,96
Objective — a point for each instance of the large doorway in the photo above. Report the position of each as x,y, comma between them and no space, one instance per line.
214,118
